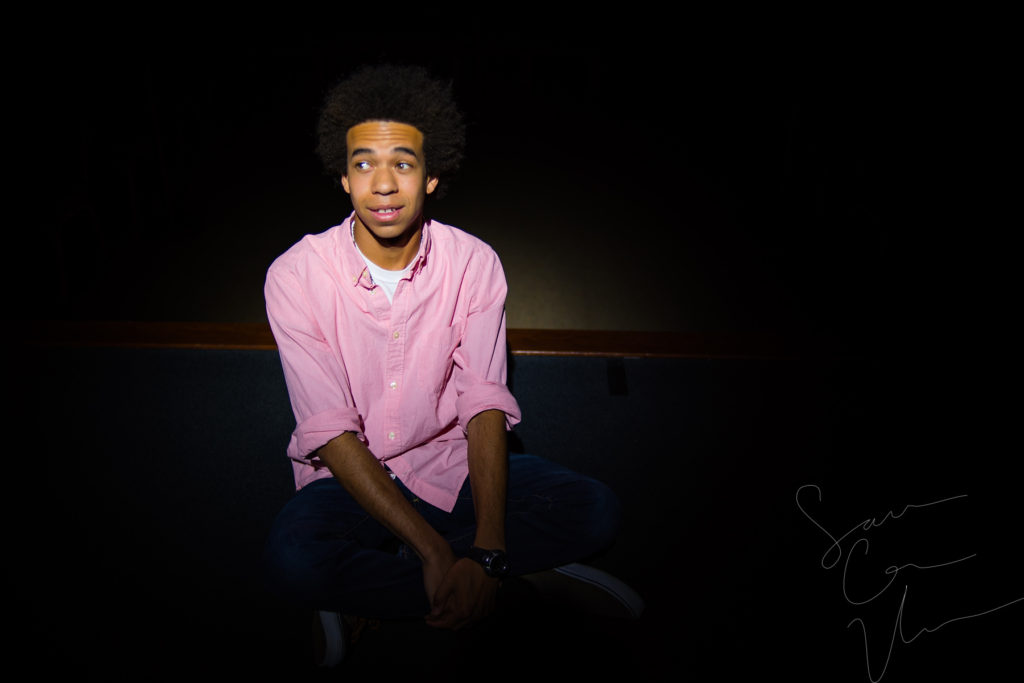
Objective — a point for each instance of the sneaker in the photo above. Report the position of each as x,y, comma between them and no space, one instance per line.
588,589
330,640
333,635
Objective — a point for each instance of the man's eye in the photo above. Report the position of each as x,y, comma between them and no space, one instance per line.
361,165
404,165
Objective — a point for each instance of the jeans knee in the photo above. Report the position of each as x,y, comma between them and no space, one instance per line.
288,572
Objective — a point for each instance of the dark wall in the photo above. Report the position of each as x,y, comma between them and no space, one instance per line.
637,174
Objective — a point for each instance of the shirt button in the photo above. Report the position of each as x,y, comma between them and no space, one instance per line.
391,435
395,335
393,385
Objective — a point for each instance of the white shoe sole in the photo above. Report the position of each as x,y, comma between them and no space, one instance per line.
629,598
334,638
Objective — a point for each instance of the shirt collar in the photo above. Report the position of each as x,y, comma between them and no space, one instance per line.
356,268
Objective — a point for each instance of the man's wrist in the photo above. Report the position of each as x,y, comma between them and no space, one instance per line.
435,549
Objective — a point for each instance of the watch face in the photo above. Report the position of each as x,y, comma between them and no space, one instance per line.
494,562
498,566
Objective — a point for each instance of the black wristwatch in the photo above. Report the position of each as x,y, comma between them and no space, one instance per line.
494,562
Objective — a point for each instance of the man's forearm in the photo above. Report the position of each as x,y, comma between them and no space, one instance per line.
371,486
488,476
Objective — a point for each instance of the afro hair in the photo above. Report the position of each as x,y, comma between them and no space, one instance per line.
403,94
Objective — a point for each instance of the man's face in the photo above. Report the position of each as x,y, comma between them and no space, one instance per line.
387,178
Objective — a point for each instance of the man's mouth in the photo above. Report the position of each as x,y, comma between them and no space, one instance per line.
385,212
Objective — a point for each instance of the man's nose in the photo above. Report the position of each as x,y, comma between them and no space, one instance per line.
384,181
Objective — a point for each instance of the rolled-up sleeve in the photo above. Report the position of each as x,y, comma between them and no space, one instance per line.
481,358
315,374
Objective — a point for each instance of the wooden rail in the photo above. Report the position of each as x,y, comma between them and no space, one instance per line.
527,342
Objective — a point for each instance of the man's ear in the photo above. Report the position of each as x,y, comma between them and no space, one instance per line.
344,183
431,185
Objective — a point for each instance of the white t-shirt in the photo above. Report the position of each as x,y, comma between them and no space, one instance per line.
385,279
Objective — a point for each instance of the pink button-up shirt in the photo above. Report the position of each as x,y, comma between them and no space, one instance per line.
406,377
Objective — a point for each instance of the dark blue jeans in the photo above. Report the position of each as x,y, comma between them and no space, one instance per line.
325,552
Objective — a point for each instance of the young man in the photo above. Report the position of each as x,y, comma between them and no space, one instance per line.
391,330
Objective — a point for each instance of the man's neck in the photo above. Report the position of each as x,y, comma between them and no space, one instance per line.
390,254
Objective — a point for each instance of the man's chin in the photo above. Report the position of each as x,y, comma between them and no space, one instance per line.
390,233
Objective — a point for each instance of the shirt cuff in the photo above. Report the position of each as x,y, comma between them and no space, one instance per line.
487,396
315,431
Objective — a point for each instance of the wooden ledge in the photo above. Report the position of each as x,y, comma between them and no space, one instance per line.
175,335
524,342
627,344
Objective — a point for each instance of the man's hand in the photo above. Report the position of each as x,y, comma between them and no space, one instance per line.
435,568
466,594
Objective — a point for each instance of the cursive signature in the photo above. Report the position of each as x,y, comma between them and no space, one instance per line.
834,554
898,628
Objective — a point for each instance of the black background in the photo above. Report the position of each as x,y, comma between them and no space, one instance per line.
632,172
854,176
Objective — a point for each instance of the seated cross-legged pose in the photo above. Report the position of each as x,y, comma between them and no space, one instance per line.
391,332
